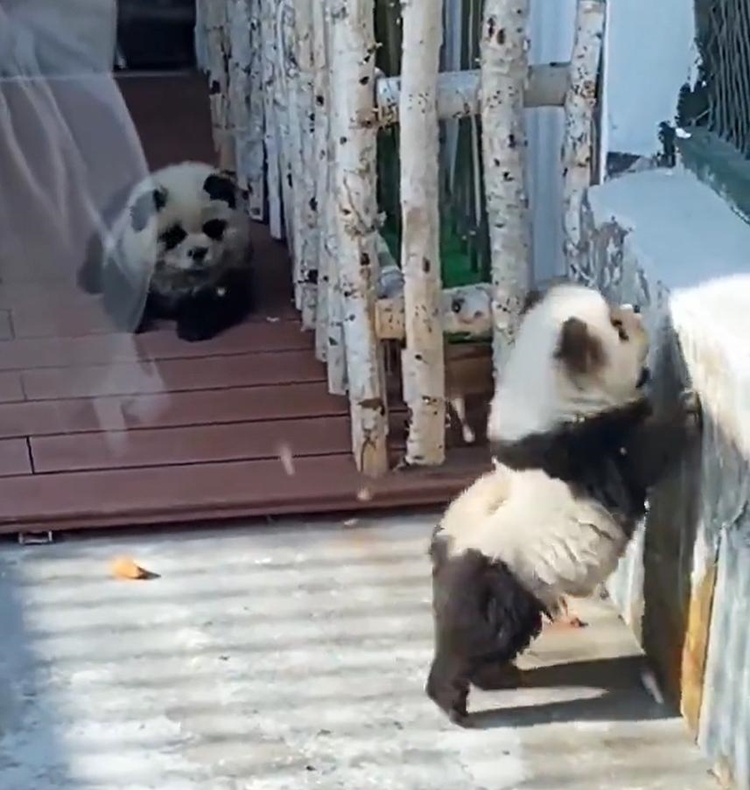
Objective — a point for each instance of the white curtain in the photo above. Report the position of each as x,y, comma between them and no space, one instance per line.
67,142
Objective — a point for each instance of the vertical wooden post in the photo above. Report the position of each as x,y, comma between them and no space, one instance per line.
271,138
336,356
354,128
422,358
580,106
283,31
289,76
504,72
246,85
308,214
199,36
218,46
321,167
246,107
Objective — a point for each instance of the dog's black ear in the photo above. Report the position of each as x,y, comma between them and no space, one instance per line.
146,206
220,187
580,351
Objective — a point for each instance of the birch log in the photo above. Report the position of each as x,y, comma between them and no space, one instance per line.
283,31
458,92
271,142
246,85
504,70
199,35
354,131
338,383
292,137
219,56
306,184
336,357
321,166
580,106
423,364
248,132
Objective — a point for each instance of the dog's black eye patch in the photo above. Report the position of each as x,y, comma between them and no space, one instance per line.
172,236
221,188
215,228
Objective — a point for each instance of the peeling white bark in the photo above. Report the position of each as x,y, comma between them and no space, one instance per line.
283,32
199,35
423,364
580,106
338,383
354,130
219,55
305,187
458,92
321,166
271,142
504,71
292,132
246,105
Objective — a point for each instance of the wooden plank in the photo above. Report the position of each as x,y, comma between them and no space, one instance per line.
14,458
88,318
200,492
162,410
10,387
6,329
41,294
162,344
21,271
189,445
174,375
60,320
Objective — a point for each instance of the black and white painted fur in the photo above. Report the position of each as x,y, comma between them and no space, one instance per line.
174,246
577,447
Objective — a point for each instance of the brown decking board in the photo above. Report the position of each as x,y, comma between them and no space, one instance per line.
54,352
14,457
172,375
6,332
199,492
10,387
168,410
105,429
190,444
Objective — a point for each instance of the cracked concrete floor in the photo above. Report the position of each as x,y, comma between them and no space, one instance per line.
294,656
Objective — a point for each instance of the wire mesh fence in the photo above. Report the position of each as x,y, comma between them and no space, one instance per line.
720,99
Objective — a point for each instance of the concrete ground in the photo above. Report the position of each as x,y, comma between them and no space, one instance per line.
290,657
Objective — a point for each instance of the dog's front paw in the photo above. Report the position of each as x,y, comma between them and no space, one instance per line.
193,328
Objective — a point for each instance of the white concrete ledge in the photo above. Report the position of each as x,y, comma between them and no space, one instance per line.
693,251
664,240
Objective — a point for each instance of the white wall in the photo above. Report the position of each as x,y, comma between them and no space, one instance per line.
551,33
649,54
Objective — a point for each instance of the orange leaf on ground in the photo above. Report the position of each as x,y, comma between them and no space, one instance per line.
127,568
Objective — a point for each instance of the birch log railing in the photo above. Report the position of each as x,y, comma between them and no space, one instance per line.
296,102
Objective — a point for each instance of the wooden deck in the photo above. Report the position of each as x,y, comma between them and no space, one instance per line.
100,429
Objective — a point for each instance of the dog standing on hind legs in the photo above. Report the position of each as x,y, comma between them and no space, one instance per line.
578,447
